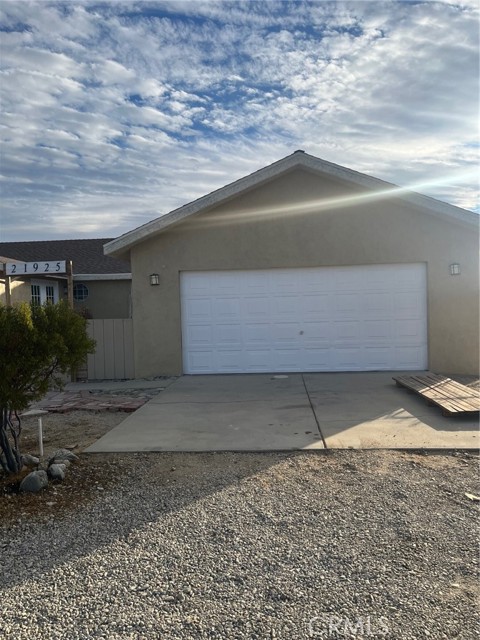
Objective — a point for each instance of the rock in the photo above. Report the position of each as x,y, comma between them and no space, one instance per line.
61,455
57,471
67,463
34,482
30,461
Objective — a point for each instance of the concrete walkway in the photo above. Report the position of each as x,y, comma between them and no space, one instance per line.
298,411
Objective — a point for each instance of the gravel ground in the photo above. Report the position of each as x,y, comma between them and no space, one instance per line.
252,546
75,429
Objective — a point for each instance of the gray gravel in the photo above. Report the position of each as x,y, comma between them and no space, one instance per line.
253,546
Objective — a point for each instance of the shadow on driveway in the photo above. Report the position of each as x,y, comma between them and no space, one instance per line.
368,410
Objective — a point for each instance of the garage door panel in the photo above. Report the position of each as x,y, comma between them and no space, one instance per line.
318,359
373,330
285,306
200,335
256,283
228,334
200,309
317,305
409,277
317,319
379,277
317,281
317,331
257,360
347,304
347,331
254,308
376,304
282,332
198,284
409,357
408,304
229,360
348,359
200,361
408,330
286,359
377,357
284,282
226,282
257,334
228,308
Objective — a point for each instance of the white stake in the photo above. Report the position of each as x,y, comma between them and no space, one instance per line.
39,413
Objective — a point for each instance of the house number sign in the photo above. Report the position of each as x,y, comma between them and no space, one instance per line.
41,267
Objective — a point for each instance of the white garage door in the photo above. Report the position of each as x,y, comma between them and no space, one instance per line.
320,319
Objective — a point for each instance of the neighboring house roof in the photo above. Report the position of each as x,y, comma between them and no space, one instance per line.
4,259
376,189
89,261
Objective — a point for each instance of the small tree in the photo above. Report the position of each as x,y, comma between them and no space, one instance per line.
38,345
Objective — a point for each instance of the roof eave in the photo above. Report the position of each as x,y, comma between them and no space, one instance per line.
120,246
102,276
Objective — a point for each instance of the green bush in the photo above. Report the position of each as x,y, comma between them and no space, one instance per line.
38,345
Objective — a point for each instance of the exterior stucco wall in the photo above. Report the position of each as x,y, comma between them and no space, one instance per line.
19,292
107,299
267,228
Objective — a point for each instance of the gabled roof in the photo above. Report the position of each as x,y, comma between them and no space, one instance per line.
375,189
86,254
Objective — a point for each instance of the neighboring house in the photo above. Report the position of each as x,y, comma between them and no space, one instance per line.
305,266
101,284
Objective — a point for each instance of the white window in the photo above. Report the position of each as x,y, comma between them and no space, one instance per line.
50,293
44,292
36,295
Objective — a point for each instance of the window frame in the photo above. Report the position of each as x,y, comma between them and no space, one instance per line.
46,291
84,289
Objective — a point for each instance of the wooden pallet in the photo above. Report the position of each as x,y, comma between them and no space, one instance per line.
451,396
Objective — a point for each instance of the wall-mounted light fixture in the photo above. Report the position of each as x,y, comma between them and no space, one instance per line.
154,279
455,269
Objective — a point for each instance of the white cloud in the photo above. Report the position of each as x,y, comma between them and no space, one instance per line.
111,72
113,114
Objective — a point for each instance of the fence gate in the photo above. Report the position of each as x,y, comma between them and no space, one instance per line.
113,357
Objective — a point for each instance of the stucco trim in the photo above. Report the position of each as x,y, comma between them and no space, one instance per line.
380,188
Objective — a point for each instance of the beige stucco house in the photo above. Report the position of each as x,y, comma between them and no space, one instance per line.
101,284
305,266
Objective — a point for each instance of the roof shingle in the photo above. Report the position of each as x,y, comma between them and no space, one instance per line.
86,255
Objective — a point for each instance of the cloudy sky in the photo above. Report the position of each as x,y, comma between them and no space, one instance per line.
114,113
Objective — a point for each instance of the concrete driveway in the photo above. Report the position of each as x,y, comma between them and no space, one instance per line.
268,412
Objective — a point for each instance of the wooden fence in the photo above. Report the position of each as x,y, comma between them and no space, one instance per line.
113,357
